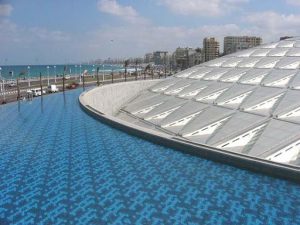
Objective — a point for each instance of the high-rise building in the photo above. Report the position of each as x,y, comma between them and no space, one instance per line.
148,58
236,43
210,49
187,57
160,57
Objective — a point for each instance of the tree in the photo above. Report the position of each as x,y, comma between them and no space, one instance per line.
126,63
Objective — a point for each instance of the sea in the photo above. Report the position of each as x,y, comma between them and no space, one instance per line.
32,71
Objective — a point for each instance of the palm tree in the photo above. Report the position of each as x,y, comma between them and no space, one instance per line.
126,63
136,63
146,69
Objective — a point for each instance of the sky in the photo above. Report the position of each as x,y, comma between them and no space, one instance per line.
59,32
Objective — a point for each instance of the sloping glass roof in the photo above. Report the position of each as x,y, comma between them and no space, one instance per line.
246,102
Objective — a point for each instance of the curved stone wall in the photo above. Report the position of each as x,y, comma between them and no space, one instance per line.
109,98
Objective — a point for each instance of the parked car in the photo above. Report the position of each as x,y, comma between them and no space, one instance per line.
67,77
37,92
72,85
52,88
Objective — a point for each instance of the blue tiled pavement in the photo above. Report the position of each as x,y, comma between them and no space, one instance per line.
60,166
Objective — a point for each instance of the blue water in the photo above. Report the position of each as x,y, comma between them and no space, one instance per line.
35,70
60,166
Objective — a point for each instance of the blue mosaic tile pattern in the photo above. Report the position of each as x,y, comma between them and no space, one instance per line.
60,166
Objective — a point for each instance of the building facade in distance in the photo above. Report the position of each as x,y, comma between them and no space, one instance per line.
210,49
236,43
187,57
160,57
148,58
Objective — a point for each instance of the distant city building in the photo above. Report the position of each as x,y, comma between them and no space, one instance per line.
236,43
210,49
181,56
148,58
196,57
160,57
187,57
285,37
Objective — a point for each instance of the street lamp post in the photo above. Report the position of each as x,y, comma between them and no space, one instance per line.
28,68
98,83
80,73
1,80
48,75
3,86
112,74
102,73
54,74
94,70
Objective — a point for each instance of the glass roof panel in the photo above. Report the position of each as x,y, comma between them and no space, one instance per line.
293,52
267,63
278,52
271,45
260,52
286,44
249,62
289,63
232,62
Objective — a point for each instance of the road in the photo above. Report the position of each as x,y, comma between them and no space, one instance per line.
11,92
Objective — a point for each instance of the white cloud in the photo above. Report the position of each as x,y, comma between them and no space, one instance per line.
5,9
127,13
272,25
202,7
293,2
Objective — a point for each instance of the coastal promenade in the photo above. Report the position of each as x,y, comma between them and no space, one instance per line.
10,92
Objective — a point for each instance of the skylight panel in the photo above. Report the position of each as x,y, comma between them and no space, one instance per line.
241,140
267,63
278,52
216,62
176,91
147,109
212,96
232,62
281,82
293,52
245,53
233,78
160,89
267,104
286,44
182,121
286,154
200,74
289,63
215,75
163,114
260,53
272,45
236,100
249,62
187,72
192,93
254,80
207,130
291,114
